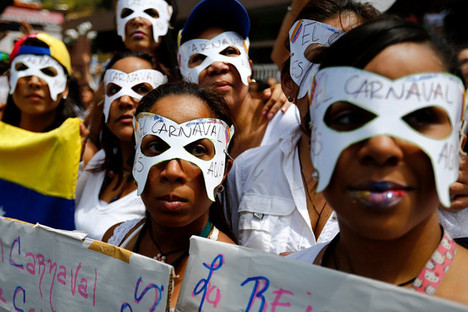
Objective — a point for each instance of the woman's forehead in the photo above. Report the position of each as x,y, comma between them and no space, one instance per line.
181,108
411,58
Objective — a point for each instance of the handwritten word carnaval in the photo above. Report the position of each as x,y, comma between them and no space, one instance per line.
132,77
214,44
205,130
40,61
47,271
411,90
258,299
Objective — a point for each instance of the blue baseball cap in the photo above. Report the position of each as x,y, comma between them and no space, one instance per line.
228,14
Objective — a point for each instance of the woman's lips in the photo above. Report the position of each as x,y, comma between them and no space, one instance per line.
138,34
126,118
172,202
35,97
379,194
221,86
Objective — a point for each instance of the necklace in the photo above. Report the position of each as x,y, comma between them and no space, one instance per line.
161,256
332,248
316,206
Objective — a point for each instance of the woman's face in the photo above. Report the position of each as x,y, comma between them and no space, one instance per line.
175,193
345,22
32,97
122,109
224,77
463,61
139,35
383,187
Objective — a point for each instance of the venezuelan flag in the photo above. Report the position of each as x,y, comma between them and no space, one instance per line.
38,173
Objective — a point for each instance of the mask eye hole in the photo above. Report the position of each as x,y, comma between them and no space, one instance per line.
20,66
313,52
142,88
152,145
125,12
152,12
344,116
431,121
203,149
112,89
196,60
49,71
230,51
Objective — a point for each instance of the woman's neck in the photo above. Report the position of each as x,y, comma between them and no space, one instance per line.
172,238
36,123
250,124
394,261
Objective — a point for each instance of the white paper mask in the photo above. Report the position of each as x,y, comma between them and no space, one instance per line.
177,136
127,83
140,8
390,101
37,65
212,50
303,34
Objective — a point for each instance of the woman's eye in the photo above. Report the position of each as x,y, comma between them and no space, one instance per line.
153,146
196,60
202,149
152,12
431,121
125,12
49,71
20,66
112,89
346,117
142,88
230,51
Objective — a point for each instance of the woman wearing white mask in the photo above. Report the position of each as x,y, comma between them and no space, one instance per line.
41,160
386,121
213,52
271,200
183,134
106,192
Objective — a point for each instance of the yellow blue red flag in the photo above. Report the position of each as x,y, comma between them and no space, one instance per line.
38,173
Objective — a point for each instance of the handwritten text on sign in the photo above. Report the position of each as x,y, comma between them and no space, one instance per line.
224,277
42,270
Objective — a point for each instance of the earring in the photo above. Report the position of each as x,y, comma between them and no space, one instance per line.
221,188
315,175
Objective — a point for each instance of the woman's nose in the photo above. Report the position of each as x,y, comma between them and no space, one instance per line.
173,171
34,81
217,68
381,150
126,101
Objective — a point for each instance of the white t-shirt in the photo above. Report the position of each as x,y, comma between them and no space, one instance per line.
95,216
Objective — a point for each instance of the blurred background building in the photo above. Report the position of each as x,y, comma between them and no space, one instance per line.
90,24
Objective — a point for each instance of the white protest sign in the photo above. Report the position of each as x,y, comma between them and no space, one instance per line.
224,277
42,269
